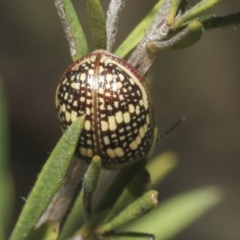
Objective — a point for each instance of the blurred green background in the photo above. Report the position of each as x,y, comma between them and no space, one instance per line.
201,83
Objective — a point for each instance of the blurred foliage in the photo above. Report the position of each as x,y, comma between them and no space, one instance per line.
6,184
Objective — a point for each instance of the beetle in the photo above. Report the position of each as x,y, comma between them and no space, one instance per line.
117,105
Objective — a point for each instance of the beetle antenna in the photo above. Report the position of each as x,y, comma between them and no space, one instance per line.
171,128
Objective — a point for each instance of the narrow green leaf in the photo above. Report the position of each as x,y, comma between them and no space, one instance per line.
48,182
72,28
185,38
194,31
139,184
91,176
134,211
76,214
90,181
129,236
194,12
177,213
97,23
124,176
173,11
211,22
6,184
136,35
47,231
160,166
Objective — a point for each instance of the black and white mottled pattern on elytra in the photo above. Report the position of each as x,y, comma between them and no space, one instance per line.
116,102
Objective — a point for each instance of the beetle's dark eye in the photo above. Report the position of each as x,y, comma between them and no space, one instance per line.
116,102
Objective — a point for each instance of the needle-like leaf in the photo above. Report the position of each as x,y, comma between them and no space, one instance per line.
72,28
48,182
97,23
